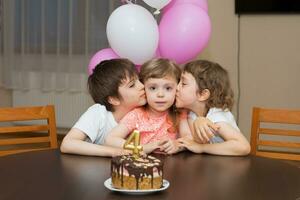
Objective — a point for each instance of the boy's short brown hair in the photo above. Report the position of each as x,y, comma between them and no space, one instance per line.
210,75
106,78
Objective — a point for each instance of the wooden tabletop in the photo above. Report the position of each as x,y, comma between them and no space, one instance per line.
51,175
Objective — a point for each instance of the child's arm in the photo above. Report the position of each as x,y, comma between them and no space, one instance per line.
74,143
152,146
235,143
117,135
184,129
172,146
204,129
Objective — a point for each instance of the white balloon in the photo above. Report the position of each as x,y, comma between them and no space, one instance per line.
132,33
158,4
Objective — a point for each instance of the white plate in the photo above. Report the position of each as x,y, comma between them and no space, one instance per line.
108,185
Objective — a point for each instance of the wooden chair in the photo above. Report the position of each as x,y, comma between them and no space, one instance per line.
273,117
12,136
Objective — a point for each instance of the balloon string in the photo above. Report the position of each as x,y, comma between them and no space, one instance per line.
156,17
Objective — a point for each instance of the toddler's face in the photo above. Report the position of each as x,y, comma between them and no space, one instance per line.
160,93
186,94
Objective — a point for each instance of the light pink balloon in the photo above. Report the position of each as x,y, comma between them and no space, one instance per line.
183,32
201,3
138,68
157,53
104,54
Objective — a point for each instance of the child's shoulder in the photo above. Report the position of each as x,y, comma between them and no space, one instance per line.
214,114
97,109
97,106
219,113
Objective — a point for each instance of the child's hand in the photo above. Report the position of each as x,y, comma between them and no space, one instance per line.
120,152
170,146
148,148
190,145
204,130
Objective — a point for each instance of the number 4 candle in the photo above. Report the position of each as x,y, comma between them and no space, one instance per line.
133,143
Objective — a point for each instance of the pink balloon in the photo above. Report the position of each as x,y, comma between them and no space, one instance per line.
157,53
104,54
201,3
184,31
138,68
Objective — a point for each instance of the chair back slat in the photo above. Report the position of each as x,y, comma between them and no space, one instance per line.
279,116
14,138
24,113
283,156
278,144
272,117
29,140
22,129
272,131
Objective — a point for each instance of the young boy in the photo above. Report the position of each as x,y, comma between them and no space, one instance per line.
115,89
205,90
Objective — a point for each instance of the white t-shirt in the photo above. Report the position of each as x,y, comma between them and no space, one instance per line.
96,123
218,115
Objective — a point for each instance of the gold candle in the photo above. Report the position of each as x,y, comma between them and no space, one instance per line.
133,143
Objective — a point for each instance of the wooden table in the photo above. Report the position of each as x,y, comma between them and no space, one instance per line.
51,175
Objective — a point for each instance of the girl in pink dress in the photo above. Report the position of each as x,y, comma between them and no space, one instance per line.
158,122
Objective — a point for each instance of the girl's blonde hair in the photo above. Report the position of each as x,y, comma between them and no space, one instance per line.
212,76
160,68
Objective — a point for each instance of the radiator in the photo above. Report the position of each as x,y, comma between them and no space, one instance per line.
68,105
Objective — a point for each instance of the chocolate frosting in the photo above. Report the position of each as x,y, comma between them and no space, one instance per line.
138,167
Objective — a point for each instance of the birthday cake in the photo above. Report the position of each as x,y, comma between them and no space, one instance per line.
136,173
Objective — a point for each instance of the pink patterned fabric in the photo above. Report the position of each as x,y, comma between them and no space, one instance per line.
151,129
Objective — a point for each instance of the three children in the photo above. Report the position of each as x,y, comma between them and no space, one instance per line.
204,89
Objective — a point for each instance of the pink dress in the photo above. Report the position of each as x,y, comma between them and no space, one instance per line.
151,129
